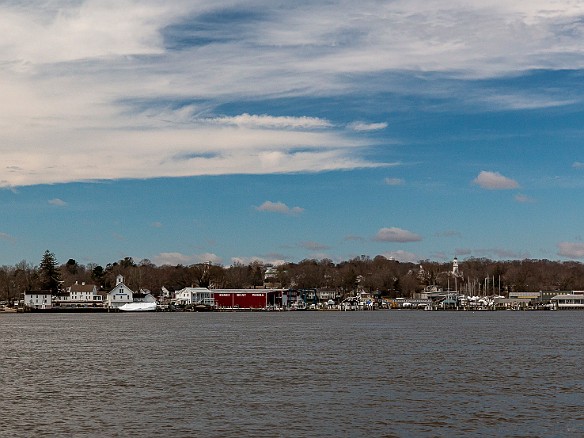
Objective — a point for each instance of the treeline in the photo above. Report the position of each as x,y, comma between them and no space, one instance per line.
392,278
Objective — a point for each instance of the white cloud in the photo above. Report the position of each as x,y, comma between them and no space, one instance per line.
526,102
267,121
394,234
494,181
394,181
524,199
57,202
402,256
578,165
279,207
64,31
87,84
573,250
177,258
365,127
264,260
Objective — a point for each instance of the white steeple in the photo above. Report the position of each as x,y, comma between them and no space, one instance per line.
455,267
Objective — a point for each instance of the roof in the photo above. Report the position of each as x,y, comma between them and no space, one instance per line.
38,292
244,291
568,297
82,287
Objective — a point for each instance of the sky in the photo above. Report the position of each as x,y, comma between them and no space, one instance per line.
191,131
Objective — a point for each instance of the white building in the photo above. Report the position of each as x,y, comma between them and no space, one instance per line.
40,299
79,295
194,295
119,295
84,292
569,301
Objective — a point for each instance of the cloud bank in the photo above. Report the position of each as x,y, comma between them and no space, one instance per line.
573,250
97,91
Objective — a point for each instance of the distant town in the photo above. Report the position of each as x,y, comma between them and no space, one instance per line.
361,283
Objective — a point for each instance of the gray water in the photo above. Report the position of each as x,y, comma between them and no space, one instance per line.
292,374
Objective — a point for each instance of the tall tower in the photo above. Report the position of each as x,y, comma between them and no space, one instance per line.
455,271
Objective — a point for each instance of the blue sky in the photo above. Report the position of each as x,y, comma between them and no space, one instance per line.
193,131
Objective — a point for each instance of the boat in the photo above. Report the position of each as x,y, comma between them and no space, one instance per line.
138,307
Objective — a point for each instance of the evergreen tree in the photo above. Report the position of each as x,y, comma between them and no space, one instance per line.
50,276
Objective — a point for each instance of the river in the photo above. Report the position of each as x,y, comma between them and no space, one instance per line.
293,374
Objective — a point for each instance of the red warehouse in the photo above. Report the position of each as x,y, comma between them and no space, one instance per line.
246,298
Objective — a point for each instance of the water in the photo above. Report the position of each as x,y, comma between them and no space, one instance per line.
292,374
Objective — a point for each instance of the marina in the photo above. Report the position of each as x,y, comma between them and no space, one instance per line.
466,296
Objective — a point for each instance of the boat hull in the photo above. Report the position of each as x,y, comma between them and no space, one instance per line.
138,307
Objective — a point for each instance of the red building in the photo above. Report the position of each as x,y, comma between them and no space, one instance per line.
247,298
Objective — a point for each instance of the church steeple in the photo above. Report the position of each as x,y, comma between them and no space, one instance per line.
455,266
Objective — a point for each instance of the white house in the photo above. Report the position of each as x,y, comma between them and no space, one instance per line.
194,295
79,295
40,299
119,295
84,292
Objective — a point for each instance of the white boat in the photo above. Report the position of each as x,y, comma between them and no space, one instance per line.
138,307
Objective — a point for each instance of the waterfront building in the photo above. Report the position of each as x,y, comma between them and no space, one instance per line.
568,301
79,295
247,299
119,295
40,299
194,295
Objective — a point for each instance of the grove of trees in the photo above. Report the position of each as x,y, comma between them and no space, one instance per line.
390,277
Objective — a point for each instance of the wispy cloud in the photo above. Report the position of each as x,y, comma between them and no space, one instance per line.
57,202
87,81
394,234
365,127
500,253
279,207
526,102
494,181
314,246
177,258
524,199
578,165
574,250
394,181
156,224
463,251
267,121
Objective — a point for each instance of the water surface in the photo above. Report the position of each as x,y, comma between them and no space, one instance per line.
293,374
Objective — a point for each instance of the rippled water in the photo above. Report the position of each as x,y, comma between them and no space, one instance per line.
293,374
